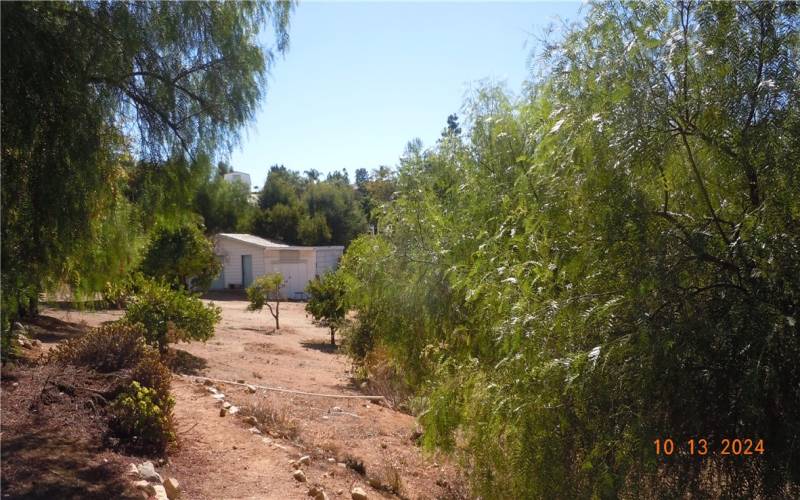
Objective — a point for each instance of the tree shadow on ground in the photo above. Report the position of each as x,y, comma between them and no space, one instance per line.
49,329
325,347
186,363
45,464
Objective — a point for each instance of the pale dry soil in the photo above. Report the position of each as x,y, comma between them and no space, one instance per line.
220,458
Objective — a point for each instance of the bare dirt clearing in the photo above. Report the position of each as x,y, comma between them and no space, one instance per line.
223,457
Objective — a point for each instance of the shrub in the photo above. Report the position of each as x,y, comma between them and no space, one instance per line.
142,419
118,293
153,373
327,301
171,315
109,348
359,339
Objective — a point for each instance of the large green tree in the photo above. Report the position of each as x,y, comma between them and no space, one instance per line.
613,259
84,83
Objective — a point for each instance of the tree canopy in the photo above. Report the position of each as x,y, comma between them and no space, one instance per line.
610,259
90,87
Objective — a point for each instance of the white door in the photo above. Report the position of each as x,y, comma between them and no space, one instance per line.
295,278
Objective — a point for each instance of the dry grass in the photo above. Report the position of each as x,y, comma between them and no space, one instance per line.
383,379
272,417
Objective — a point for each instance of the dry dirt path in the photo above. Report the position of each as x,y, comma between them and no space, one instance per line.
220,458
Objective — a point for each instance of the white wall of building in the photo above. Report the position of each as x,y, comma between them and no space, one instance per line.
231,252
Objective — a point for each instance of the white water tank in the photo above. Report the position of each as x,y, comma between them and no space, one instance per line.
239,177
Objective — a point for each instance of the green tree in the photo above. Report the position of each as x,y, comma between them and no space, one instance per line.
181,256
169,315
327,301
283,186
314,230
224,206
263,290
336,202
629,225
279,222
85,81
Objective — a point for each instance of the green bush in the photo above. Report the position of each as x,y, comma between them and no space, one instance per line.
181,256
143,419
108,348
169,315
610,260
118,293
327,301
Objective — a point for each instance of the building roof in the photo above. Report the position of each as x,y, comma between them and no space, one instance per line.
254,240
265,243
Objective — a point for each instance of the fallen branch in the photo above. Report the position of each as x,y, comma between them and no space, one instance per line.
290,391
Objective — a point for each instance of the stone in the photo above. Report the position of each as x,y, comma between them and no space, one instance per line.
148,472
305,460
208,383
212,390
339,491
218,396
144,486
173,488
312,492
251,389
223,411
266,440
132,470
358,494
233,410
300,476
226,405
161,492
254,430
239,381
336,409
331,460
250,420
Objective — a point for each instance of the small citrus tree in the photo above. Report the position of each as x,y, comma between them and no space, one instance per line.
327,302
264,289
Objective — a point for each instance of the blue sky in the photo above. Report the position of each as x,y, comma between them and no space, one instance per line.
362,79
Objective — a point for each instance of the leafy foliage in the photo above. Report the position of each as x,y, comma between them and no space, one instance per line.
85,85
117,293
169,315
610,260
264,289
224,206
142,420
326,301
299,210
181,256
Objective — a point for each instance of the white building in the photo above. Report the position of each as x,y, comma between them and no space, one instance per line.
238,177
245,257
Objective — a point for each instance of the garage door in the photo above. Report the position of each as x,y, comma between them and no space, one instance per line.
295,277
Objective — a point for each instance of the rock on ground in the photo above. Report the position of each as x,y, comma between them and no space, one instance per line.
358,494
148,472
299,476
173,488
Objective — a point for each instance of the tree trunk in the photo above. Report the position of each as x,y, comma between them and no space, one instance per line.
33,306
333,339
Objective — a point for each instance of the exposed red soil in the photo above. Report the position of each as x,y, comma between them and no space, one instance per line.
219,457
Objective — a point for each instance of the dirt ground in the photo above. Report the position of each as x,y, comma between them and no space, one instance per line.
351,442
